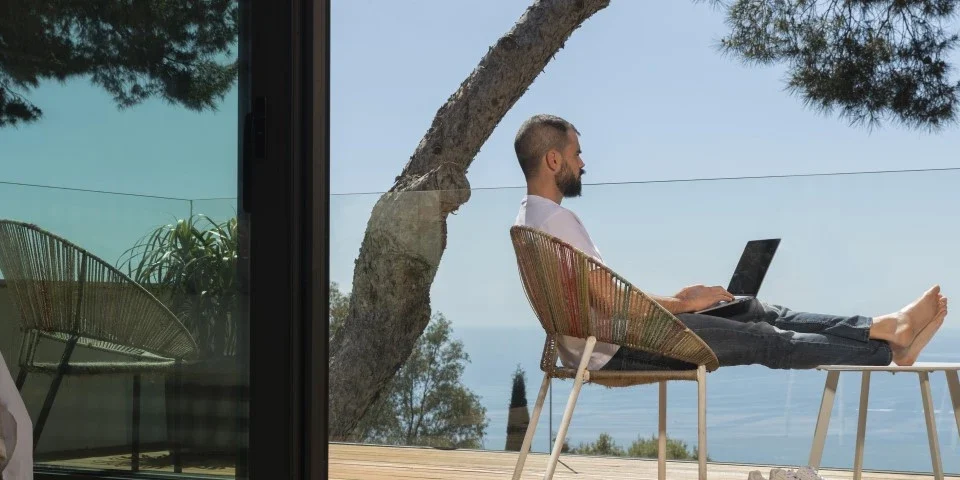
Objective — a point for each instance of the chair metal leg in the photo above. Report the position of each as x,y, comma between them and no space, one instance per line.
28,349
21,378
571,403
861,425
178,396
52,392
532,427
953,382
135,454
662,434
931,425
823,419
702,420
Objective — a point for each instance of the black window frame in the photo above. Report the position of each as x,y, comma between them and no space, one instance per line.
283,200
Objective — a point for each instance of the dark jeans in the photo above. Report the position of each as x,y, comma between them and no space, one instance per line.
774,336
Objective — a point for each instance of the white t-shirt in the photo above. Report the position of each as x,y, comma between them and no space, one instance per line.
546,215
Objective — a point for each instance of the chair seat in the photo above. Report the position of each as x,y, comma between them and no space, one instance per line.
626,378
103,368
104,345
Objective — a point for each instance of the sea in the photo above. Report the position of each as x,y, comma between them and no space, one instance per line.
755,415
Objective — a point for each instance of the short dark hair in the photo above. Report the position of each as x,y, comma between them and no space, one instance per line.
536,137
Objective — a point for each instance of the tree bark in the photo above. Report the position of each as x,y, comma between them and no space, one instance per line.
406,233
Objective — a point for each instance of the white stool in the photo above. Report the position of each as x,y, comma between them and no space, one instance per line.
922,369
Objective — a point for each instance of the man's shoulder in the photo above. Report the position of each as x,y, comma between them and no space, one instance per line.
558,221
542,214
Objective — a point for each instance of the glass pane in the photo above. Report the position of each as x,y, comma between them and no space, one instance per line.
119,300
837,256
690,153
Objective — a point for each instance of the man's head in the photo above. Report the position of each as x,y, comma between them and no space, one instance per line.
548,149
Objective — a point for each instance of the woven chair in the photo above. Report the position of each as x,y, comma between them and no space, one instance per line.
574,295
66,294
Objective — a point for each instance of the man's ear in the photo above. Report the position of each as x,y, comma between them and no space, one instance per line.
552,160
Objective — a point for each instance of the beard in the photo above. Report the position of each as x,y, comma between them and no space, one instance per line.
569,183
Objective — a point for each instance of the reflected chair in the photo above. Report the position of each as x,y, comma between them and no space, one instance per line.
572,294
66,294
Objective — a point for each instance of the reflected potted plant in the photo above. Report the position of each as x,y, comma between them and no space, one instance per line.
191,265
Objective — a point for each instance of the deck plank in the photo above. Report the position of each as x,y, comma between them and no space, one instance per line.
373,462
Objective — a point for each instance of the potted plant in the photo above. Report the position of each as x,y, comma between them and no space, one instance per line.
191,265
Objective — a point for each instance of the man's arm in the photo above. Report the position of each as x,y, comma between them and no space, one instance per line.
689,299
566,226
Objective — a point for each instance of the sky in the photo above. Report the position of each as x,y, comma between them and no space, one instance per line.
653,100
650,93
643,82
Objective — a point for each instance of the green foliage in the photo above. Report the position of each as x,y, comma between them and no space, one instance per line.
518,397
604,445
192,266
869,59
641,447
339,308
134,50
676,449
426,403
518,418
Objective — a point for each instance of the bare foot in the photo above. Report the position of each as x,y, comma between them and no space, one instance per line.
908,356
901,328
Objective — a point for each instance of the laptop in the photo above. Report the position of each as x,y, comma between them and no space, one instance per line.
747,277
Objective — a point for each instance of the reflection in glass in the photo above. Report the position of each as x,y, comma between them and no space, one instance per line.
120,296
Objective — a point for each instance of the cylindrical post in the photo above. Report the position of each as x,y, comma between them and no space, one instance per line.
662,434
702,420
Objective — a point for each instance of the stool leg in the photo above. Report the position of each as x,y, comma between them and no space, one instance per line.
931,425
861,425
953,381
823,419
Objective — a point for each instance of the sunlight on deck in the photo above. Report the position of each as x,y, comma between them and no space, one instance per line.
369,462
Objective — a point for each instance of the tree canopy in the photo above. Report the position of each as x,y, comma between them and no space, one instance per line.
868,60
426,403
177,51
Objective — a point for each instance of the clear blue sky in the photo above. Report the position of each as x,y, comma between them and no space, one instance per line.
642,81
653,99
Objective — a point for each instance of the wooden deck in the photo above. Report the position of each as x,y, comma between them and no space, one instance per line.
369,462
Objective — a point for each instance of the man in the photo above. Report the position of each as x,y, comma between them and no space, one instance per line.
548,149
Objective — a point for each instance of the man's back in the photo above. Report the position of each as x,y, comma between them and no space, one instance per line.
546,215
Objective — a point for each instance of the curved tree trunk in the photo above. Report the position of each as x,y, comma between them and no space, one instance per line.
406,233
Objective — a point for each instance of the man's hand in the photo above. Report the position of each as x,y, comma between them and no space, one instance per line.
698,297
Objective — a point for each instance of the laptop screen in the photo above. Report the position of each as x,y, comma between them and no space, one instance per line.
752,267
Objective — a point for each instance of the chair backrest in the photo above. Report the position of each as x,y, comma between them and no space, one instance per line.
557,277
65,291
